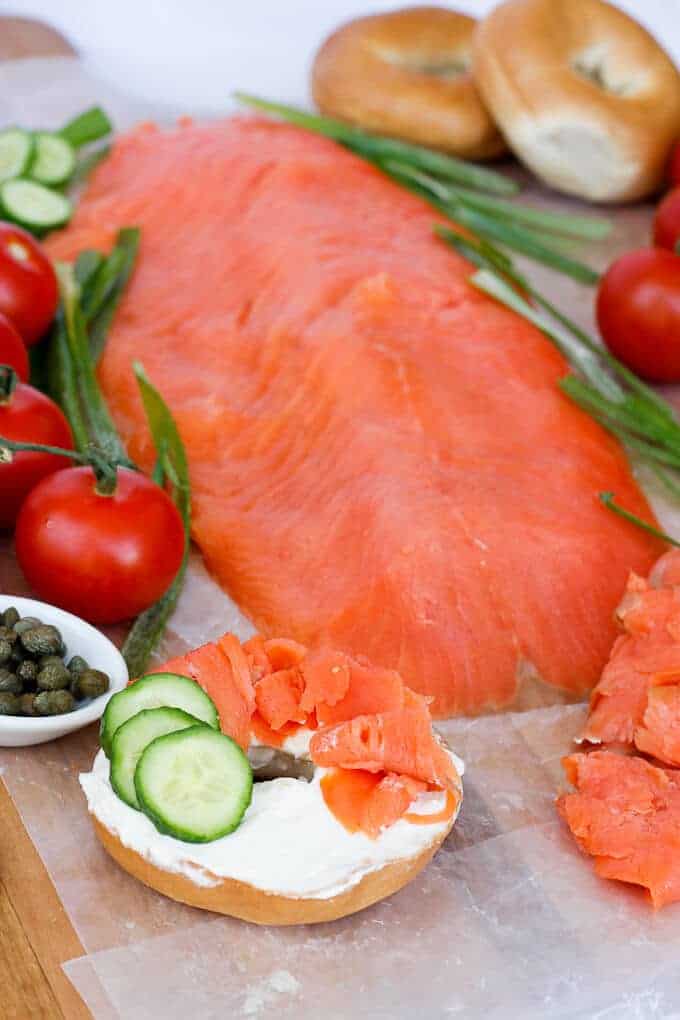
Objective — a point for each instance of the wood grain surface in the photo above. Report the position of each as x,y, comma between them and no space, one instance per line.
36,936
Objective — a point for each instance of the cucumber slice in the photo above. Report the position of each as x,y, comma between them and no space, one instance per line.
54,160
133,737
194,785
16,152
158,690
34,206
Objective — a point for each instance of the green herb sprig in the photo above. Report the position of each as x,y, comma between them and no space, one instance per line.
464,192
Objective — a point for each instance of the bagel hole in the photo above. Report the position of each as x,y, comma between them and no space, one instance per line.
595,66
446,67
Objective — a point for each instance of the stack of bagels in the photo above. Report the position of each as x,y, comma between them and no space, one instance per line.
578,90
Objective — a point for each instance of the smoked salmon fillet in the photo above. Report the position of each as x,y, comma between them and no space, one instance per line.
380,458
626,813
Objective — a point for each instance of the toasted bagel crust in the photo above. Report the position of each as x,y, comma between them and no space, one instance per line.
407,74
247,902
582,93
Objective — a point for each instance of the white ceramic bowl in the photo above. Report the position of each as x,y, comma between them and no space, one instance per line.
80,639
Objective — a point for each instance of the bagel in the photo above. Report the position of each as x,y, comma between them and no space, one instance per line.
582,93
295,858
406,74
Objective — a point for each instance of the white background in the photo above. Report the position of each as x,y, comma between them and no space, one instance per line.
195,52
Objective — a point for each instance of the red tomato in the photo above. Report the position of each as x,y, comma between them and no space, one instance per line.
105,558
28,285
31,417
12,349
638,312
674,166
667,221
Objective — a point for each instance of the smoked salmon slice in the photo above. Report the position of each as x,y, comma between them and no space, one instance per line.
626,814
637,701
398,741
379,762
380,458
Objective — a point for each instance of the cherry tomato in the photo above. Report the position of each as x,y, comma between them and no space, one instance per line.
12,349
28,285
105,558
638,312
666,232
28,415
674,167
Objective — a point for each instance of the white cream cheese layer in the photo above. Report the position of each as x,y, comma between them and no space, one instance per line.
288,842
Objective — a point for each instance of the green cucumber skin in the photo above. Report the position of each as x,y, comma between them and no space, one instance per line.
182,719
9,207
51,181
30,152
176,831
106,730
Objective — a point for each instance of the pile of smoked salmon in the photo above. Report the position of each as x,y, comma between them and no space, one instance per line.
371,731
380,457
626,810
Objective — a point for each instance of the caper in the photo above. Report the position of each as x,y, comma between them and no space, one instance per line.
53,702
27,672
10,704
92,683
8,635
10,616
26,623
10,683
18,655
28,704
5,651
54,677
42,640
77,665
50,660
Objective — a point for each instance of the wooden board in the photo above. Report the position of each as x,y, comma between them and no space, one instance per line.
36,936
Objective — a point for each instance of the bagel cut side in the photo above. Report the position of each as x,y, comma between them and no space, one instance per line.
407,74
248,903
583,94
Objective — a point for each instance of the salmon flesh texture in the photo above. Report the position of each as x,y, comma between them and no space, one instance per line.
380,457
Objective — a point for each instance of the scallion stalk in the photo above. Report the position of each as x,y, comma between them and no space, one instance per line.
88,126
379,147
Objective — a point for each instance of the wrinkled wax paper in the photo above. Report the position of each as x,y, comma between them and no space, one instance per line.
509,919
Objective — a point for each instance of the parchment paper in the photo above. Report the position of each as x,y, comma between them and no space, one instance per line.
508,921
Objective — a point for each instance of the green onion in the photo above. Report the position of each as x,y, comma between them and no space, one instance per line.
609,501
587,228
107,288
524,241
148,628
89,126
87,164
379,147
92,409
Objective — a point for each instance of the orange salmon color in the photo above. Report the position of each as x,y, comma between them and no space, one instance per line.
637,701
626,814
380,457
379,760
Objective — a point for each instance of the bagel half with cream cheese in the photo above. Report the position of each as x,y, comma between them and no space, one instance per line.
355,794
583,94
407,74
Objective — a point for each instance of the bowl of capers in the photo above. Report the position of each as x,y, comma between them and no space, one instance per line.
57,672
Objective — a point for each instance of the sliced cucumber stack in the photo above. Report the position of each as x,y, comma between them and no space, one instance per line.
158,690
17,148
133,737
194,784
34,206
54,160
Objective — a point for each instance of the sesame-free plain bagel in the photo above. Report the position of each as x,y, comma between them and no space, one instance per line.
582,93
407,74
